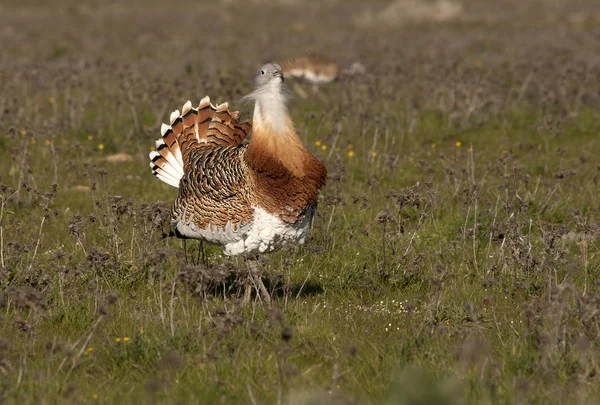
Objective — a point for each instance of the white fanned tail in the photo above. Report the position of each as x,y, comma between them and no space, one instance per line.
204,125
166,161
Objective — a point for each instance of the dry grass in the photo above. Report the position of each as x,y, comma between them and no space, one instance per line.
454,257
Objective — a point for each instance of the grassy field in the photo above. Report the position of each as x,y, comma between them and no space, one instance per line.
454,257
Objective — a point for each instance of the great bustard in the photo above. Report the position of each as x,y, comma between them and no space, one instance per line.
313,69
250,198
318,70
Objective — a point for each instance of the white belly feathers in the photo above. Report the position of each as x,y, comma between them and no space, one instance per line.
265,234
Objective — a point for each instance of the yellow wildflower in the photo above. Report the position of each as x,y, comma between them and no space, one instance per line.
51,100
126,339
95,396
48,142
350,153
458,143
324,147
433,146
89,350
373,153
318,143
101,146
23,132
117,339
33,141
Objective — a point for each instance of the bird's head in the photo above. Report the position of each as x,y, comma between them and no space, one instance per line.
268,85
269,75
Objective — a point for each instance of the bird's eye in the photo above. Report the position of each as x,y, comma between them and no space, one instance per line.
262,72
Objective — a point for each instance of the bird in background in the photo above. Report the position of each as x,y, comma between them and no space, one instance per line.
250,198
316,69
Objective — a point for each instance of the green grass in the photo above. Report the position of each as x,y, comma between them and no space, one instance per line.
448,301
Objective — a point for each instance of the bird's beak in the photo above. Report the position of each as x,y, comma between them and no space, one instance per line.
278,74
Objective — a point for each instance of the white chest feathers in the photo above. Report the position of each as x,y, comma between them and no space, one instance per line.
265,234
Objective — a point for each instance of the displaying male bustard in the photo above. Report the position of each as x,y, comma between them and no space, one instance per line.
250,198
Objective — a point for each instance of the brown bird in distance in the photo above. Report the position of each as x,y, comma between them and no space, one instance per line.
250,198
316,69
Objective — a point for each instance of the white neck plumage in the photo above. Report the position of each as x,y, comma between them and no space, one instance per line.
273,132
270,110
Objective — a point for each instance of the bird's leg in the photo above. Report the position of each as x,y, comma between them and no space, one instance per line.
198,252
247,290
263,289
185,251
255,279
204,259
249,283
